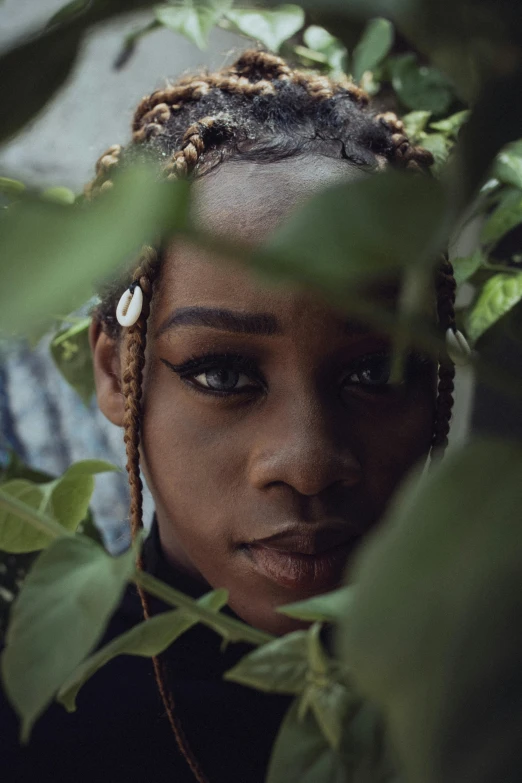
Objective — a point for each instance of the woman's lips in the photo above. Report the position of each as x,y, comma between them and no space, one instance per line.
298,571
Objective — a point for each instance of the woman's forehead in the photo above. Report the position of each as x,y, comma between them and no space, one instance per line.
245,200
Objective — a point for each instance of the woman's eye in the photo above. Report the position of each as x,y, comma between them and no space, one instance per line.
222,379
370,371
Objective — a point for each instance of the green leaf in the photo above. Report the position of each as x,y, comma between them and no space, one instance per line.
499,295
326,45
327,608
465,267
302,755
415,123
194,19
146,639
58,617
277,667
452,125
439,147
508,165
65,499
11,187
432,637
17,535
330,703
326,694
230,628
59,195
318,39
72,355
71,494
271,27
507,215
421,87
374,46
89,467
58,251
388,222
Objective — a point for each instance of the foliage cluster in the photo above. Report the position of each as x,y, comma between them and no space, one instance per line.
440,586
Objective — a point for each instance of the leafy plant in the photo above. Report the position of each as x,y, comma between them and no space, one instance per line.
427,640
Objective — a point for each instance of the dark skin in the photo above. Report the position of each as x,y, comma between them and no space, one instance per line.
291,425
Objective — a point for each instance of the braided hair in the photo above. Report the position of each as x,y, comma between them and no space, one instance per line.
258,109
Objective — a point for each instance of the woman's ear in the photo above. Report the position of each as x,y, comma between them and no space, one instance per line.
107,373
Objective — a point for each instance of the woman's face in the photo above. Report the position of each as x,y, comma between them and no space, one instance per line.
272,439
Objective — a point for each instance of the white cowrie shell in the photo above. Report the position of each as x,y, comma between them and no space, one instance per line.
130,306
458,348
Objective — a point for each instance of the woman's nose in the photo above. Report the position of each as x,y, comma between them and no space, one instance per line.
303,447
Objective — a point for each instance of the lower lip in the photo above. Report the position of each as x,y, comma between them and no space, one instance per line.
305,572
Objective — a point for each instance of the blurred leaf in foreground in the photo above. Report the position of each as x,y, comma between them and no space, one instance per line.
359,232
52,253
32,72
433,634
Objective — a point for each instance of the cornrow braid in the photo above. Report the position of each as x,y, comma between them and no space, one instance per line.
204,133
104,166
254,74
257,109
406,155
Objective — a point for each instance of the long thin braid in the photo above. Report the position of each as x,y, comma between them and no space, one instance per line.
136,341
132,381
406,155
446,290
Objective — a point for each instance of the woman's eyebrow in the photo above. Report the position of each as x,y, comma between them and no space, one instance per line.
263,324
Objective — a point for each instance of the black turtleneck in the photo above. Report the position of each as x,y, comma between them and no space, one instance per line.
119,732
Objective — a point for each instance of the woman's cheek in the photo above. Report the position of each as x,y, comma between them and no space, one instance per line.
192,459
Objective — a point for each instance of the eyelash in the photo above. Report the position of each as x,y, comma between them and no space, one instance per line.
197,365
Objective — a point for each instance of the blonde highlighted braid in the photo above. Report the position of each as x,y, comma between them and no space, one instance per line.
259,108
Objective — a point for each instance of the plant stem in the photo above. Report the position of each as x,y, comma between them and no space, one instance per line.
228,627
37,519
